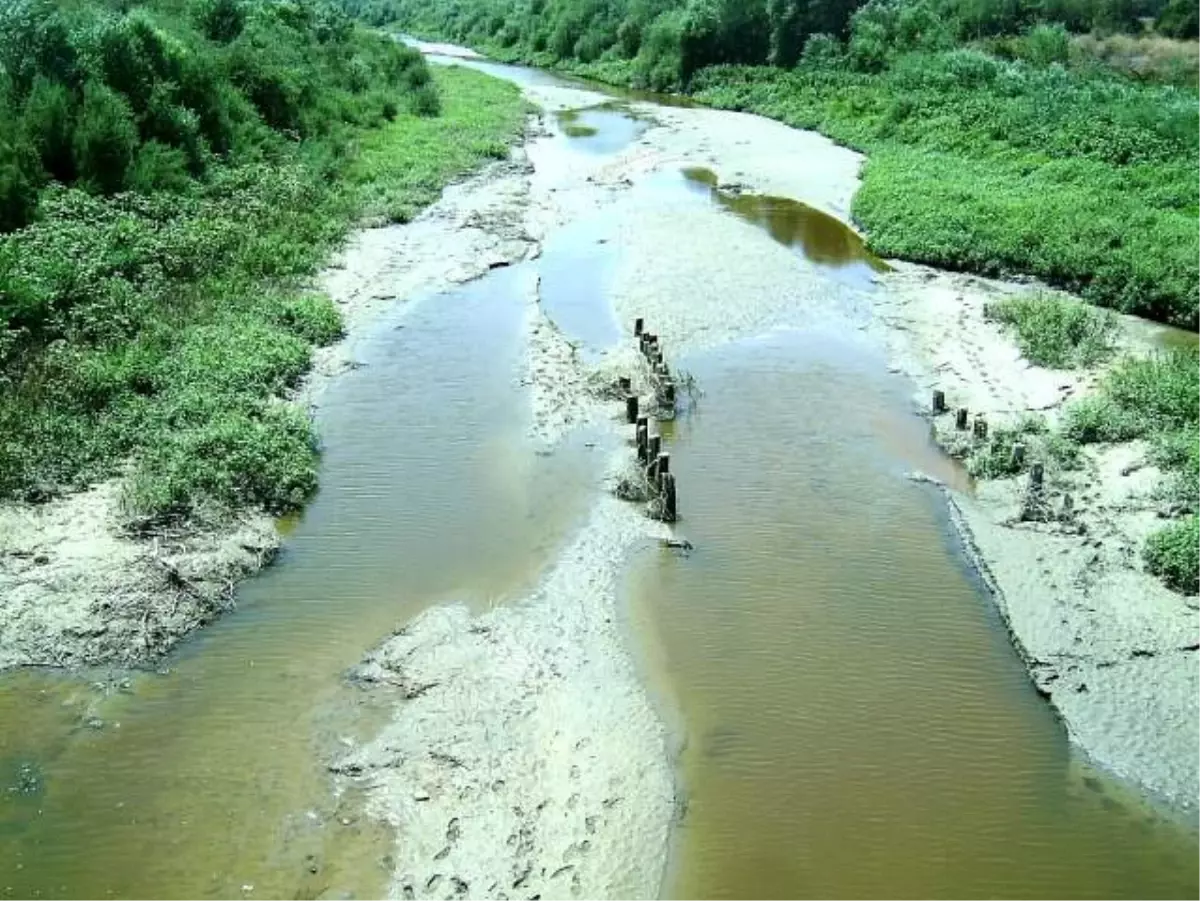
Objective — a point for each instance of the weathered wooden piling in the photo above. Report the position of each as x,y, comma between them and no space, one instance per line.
625,385
939,402
642,437
1037,475
664,463
1017,459
638,326
960,419
668,497
668,394
981,428
631,407
654,447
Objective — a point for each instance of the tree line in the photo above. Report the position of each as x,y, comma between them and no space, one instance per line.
668,41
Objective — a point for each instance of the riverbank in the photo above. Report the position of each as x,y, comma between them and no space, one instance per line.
1113,649
81,587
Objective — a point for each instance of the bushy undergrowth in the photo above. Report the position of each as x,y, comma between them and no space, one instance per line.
1055,331
994,459
1173,554
154,288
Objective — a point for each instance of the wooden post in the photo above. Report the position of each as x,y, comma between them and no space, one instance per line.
642,442
1037,474
654,447
939,402
960,419
638,325
980,427
624,385
631,407
668,497
1018,455
643,422
668,394
664,463
652,472
661,371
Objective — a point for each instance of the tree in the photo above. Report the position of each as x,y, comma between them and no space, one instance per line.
105,139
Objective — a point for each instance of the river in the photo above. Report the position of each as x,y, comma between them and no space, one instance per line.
850,715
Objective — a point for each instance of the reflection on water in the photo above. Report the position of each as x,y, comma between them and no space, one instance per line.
821,238
605,128
857,721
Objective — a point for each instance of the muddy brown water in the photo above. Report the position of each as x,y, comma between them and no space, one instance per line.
853,717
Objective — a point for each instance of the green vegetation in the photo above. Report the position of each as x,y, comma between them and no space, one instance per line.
171,175
1055,331
994,459
1155,399
1172,554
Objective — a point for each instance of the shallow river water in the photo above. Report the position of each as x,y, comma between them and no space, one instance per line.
852,716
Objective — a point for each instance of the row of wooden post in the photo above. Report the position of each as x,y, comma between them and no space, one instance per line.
1037,471
655,461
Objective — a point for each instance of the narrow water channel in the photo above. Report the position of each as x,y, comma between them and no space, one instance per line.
853,717
207,780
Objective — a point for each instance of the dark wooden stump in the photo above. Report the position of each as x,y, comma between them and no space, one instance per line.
638,326
1037,475
981,428
631,407
960,419
625,385
668,498
939,402
1018,456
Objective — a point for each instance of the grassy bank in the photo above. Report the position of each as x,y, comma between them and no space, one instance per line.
155,323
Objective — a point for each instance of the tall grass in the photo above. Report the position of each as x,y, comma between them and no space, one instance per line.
1055,331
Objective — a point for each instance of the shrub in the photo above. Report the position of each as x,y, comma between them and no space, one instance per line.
105,138
1173,554
822,51
1045,44
1097,418
220,20
160,168
1055,331
46,122
1179,19
994,459
425,101
18,193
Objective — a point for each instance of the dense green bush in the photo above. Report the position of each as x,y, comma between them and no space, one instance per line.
171,175
1173,554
